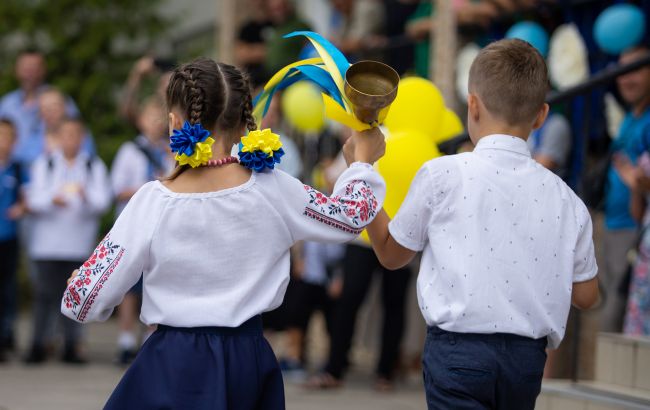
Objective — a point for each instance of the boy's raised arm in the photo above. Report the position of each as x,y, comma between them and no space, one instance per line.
391,254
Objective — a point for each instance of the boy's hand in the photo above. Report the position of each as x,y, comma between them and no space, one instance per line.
59,201
16,212
365,146
73,275
627,171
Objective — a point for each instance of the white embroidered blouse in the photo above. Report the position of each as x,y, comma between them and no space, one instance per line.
217,258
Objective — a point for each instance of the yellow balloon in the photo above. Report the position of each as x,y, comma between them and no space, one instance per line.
418,106
450,126
303,106
406,152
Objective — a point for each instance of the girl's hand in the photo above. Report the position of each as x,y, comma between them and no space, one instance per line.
73,275
365,146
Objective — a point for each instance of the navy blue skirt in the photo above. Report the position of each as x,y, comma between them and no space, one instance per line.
214,368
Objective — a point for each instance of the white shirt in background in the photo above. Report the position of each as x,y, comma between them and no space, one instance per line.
132,168
217,258
68,232
504,239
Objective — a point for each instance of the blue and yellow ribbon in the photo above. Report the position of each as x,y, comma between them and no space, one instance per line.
326,71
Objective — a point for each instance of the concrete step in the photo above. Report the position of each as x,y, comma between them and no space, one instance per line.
623,360
567,395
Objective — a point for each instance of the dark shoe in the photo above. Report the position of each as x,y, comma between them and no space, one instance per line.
36,355
71,356
125,357
3,356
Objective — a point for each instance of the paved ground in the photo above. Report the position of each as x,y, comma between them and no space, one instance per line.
55,386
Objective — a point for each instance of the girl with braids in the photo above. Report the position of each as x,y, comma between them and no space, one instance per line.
212,244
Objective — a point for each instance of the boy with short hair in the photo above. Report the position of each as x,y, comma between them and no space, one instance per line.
12,179
507,245
68,193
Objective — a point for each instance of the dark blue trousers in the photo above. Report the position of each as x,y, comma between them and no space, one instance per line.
210,368
482,371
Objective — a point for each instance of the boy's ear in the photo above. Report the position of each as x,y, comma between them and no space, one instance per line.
473,107
541,116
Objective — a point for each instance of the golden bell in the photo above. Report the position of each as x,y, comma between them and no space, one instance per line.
371,87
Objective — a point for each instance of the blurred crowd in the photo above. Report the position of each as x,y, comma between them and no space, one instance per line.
54,188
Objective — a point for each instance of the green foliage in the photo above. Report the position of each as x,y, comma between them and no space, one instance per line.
90,46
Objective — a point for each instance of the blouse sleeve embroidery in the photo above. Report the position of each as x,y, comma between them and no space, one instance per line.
349,213
83,290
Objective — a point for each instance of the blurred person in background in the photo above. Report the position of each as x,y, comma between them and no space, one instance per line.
12,207
637,179
68,192
52,110
250,49
360,266
356,28
550,145
399,50
146,66
479,13
621,230
315,276
22,106
281,51
137,162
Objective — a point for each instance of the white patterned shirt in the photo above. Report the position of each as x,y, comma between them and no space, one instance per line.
503,241
217,258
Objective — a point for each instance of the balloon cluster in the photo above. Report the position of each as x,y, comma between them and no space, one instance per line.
616,29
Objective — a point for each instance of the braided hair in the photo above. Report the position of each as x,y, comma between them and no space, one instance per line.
217,95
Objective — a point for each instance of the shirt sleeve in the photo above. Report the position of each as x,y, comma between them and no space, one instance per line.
584,264
116,264
97,188
410,225
311,215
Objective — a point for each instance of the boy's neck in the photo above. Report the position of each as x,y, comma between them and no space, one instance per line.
516,131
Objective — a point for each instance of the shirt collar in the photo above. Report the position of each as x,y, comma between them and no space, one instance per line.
504,143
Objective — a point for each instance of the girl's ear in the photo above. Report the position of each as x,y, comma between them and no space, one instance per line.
175,122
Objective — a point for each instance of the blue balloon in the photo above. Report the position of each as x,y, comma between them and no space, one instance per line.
531,32
619,27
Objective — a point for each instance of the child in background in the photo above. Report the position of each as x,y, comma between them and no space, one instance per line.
507,244
637,178
137,162
52,109
67,195
12,208
212,244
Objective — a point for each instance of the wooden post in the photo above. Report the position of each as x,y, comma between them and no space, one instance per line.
442,56
226,30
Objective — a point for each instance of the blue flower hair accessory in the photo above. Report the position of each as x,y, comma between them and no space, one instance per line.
260,149
192,145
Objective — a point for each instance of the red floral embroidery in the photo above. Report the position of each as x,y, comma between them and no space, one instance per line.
347,213
81,293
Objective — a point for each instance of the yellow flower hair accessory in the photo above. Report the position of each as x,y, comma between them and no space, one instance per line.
260,149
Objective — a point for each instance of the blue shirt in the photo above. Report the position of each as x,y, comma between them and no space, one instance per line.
630,141
11,179
29,126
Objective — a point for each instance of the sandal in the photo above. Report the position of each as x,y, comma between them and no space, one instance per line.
323,381
384,385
